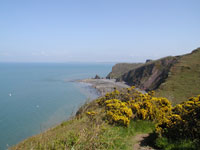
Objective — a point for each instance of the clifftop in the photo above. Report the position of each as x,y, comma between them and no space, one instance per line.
121,68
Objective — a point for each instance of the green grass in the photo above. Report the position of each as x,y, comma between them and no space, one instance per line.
183,80
122,68
165,144
122,138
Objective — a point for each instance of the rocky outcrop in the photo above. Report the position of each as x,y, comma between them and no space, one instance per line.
97,77
150,75
149,60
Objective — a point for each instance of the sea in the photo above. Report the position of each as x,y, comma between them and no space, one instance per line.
37,96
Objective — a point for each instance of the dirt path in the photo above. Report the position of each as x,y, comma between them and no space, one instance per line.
139,145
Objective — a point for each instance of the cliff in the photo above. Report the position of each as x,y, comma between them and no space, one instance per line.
150,75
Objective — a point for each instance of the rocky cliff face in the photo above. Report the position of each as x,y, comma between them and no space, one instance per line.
150,75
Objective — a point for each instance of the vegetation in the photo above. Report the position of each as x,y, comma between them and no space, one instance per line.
112,121
183,79
183,122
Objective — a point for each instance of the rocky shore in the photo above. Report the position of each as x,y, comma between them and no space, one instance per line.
104,85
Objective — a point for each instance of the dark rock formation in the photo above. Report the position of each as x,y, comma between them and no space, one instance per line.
149,60
97,77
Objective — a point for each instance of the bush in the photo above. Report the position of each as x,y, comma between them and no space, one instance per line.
121,105
184,122
118,112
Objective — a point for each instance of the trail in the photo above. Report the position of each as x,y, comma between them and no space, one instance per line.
139,145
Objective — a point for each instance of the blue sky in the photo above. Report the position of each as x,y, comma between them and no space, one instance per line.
97,30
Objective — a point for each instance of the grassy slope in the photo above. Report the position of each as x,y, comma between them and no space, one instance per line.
87,133
183,80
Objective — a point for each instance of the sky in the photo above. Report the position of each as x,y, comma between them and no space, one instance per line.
97,30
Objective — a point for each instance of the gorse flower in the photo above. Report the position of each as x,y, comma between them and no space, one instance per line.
118,112
183,122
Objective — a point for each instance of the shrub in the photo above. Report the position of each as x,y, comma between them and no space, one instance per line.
143,106
184,122
118,112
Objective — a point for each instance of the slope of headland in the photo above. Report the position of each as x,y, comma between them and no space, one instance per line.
183,79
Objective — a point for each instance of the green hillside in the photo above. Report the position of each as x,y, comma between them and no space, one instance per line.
183,79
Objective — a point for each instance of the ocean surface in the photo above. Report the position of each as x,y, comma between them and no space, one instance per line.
36,96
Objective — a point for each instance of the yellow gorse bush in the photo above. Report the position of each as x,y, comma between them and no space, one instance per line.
131,103
118,112
150,108
183,122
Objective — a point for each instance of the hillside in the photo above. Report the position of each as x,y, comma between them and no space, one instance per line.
183,80
121,68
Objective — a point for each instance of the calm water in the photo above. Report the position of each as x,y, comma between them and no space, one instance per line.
34,97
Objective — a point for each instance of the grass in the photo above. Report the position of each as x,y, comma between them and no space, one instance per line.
119,137
165,144
183,80
122,68
103,137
